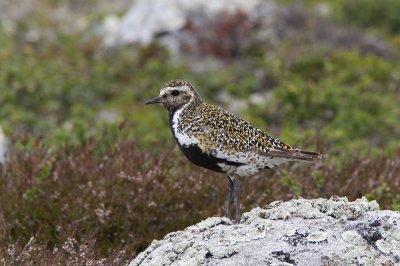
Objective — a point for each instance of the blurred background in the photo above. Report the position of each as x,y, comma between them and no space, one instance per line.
91,175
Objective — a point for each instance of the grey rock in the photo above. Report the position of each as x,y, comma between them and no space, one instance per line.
148,18
227,30
331,231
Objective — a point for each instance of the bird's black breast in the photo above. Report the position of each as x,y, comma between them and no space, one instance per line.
206,160
198,157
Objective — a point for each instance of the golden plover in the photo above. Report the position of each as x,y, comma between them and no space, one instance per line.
213,138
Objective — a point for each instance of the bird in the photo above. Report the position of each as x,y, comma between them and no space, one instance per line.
213,138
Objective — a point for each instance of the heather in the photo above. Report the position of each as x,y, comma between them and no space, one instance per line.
93,175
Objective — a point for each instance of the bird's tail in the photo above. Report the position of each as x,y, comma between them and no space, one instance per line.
294,154
309,156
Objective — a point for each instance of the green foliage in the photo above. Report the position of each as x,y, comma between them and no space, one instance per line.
59,89
63,90
374,14
351,98
377,15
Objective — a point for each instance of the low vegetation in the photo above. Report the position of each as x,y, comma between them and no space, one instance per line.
110,197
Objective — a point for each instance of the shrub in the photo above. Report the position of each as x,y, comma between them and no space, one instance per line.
110,198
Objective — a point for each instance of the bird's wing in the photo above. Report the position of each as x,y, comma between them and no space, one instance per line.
219,129
232,137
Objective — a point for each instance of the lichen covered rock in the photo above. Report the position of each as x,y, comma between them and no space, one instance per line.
297,232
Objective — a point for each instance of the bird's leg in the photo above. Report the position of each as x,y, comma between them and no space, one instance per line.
230,198
236,191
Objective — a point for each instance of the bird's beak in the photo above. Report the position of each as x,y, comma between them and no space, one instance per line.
154,100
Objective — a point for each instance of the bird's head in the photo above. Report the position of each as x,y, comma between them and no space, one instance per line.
176,94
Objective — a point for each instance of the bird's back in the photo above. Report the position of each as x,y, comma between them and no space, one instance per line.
217,128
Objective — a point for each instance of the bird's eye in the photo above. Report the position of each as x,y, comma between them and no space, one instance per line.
175,93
